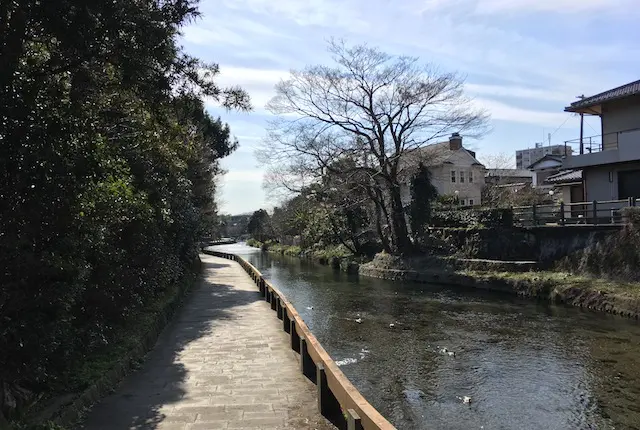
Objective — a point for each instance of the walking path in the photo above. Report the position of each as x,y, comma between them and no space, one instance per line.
224,363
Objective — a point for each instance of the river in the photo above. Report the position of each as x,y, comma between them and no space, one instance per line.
525,365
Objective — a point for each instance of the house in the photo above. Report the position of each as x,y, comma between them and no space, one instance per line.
610,162
455,171
568,186
507,177
545,167
526,157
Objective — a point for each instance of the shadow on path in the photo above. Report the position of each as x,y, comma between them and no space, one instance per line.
143,398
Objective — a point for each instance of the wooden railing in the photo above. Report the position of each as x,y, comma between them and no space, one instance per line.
338,400
607,212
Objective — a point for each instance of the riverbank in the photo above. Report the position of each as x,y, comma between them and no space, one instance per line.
603,295
102,370
338,257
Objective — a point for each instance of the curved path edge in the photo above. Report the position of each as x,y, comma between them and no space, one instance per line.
338,400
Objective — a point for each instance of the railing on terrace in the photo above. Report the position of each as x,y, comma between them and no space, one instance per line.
603,142
582,213
593,144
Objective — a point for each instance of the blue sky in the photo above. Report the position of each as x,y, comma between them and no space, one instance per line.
524,61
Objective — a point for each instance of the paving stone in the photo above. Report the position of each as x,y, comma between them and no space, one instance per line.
212,367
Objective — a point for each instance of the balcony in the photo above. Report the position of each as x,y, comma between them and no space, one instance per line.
609,148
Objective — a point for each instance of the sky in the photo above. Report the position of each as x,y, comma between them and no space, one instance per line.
523,61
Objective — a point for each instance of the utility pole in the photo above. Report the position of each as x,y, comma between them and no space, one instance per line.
581,128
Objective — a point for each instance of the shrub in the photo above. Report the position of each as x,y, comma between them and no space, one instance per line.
616,257
500,217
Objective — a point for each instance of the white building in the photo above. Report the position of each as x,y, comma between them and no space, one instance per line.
526,157
454,169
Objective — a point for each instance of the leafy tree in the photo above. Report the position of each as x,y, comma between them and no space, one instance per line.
106,161
260,226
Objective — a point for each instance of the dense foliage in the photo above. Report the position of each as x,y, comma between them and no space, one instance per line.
107,160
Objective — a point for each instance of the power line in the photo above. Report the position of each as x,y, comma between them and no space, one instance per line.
560,126
594,130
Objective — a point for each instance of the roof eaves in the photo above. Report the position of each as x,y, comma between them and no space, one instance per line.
620,92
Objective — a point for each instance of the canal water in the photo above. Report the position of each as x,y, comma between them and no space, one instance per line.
524,365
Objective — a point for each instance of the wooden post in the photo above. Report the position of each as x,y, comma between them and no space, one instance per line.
594,209
562,220
295,338
353,420
533,215
279,309
274,298
328,405
286,322
307,366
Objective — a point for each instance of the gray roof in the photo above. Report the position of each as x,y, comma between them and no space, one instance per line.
545,158
510,173
436,154
623,91
565,177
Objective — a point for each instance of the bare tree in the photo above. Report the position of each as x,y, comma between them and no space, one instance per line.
370,108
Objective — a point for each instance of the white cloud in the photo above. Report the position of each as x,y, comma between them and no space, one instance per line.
506,112
561,6
201,35
333,13
518,92
259,83
524,64
244,176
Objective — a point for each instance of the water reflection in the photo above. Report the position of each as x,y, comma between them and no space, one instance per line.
525,365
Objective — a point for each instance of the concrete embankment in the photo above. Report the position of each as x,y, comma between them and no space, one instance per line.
600,295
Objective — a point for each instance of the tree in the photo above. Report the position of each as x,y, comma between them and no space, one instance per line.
422,194
260,226
372,109
107,160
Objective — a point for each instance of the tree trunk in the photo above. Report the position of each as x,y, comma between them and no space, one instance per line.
401,243
375,195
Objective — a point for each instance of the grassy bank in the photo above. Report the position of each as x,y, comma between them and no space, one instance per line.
617,297
337,256
99,372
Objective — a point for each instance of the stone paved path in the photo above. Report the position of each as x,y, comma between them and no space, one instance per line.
224,363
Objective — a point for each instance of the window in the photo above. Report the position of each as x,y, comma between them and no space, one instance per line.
470,176
461,177
629,184
470,202
453,176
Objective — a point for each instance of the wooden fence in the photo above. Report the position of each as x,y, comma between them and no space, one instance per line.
338,400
